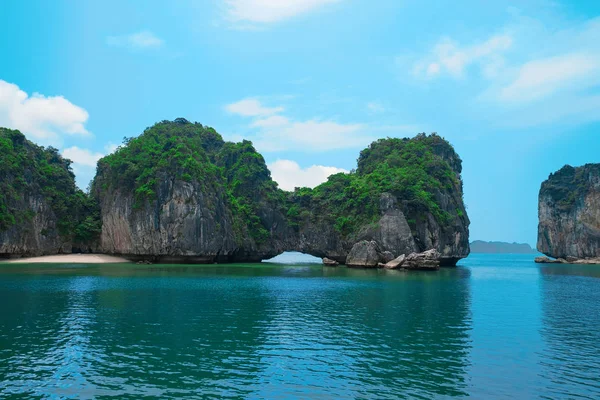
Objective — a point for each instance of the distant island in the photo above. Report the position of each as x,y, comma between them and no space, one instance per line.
480,246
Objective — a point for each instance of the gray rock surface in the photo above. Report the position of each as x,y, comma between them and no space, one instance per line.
329,262
184,224
395,263
386,256
429,259
569,213
570,260
36,236
365,254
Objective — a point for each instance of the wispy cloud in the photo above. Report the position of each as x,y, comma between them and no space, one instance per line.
82,157
449,57
557,83
289,175
46,119
84,164
541,78
138,40
273,131
530,75
251,107
263,12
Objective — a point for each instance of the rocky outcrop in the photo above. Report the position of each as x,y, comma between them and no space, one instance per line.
41,210
218,202
329,262
183,224
569,214
395,263
179,193
429,259
568,260
36,235
365,254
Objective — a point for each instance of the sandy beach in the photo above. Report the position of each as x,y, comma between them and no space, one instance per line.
70,258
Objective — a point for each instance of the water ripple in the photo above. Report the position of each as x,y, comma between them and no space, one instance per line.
299,332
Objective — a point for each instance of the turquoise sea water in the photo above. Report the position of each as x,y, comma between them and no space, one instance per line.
497,326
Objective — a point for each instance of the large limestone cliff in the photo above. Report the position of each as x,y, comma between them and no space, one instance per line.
41,210
569,213
180,193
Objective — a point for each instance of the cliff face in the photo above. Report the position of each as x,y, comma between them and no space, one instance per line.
180,193
569,213
41,210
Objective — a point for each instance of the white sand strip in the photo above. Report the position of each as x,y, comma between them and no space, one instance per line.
70,259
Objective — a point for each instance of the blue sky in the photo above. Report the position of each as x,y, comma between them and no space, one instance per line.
513,85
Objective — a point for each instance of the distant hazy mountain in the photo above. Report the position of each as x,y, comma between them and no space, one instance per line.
480,246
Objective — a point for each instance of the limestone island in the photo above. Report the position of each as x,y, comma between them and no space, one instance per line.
179,193
569,216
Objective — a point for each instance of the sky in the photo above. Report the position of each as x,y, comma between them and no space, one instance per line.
513,85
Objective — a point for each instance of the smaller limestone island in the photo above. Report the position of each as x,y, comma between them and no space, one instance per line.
569,216
481,246
179,193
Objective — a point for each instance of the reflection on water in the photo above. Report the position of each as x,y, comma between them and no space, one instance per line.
249,331
498,326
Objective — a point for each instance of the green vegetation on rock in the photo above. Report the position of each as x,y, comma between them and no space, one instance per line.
569,184
38,174
414,171
193,153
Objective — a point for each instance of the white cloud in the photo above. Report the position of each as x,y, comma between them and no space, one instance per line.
84,164
311,136
111,148
553,79
138,40
448,56
275,132
251,108
541,78
43,118
270,11
289,175
82,157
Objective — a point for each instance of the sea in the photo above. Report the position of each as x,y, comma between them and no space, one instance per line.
495,326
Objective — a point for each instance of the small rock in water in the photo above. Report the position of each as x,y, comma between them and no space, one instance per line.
329,262
395,263
429,259
364,254
546,260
